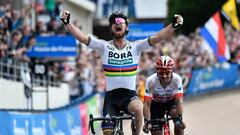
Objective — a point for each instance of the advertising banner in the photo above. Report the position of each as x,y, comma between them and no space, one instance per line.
94,107
4,123
74,121
58,123
68,121
20,123
39,124
84,118
212,79
143,30
53,46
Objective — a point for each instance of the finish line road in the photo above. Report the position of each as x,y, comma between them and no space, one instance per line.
216,114
213,115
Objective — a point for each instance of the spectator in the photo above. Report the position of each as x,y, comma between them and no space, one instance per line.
14,44
3,44
41,28
26,30
73,79
50,7
53,26
30,43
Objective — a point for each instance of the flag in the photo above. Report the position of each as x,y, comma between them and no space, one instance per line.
229,10
214,35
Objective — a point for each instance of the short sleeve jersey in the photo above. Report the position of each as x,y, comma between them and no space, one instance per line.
155,91
120,65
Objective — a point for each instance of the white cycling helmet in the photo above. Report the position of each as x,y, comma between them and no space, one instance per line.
164,62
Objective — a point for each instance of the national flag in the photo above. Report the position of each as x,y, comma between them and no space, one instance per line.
229,10
213,33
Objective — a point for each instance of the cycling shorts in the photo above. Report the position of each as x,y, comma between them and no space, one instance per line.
158,110
115,101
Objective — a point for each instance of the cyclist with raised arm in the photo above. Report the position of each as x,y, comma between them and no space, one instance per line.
164,93
120,62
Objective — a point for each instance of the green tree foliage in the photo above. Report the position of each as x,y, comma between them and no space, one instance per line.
194,12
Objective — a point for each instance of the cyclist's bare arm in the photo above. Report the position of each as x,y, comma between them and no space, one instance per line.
167,32
146,109
77,33
181,124
74,30
179,105
147,99
146,114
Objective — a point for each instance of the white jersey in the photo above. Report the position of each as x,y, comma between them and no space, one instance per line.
155,90
120,65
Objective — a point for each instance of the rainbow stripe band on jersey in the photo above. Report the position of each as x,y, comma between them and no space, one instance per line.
114,71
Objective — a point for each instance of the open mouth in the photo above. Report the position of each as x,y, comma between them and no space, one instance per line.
118,29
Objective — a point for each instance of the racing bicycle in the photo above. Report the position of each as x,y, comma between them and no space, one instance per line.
117,120
164,122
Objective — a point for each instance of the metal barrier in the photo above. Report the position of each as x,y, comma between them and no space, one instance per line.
34,89
13,69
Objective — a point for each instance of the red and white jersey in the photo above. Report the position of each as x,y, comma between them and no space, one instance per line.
158,93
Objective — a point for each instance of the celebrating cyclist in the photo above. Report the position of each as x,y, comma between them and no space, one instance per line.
120,62
164,93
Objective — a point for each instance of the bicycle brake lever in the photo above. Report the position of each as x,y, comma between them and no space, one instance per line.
91,124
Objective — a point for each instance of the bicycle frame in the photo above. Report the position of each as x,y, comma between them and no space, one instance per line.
165,124
166,127
118,128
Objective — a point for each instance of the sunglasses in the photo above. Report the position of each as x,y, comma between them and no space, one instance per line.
167,72
119,20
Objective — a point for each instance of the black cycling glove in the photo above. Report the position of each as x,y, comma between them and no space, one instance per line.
65,17
178,122
177,21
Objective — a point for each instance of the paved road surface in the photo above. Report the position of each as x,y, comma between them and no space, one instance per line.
214,115
217,114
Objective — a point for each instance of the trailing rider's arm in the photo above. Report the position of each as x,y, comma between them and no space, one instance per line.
167,32
146,114
179,119
74,30
179,105
146,109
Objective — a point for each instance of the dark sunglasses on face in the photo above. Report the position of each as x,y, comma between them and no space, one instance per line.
167,72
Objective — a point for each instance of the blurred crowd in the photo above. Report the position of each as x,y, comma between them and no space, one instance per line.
85,75
16,31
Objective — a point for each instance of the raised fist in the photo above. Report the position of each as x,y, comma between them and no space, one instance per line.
177,21
65,17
